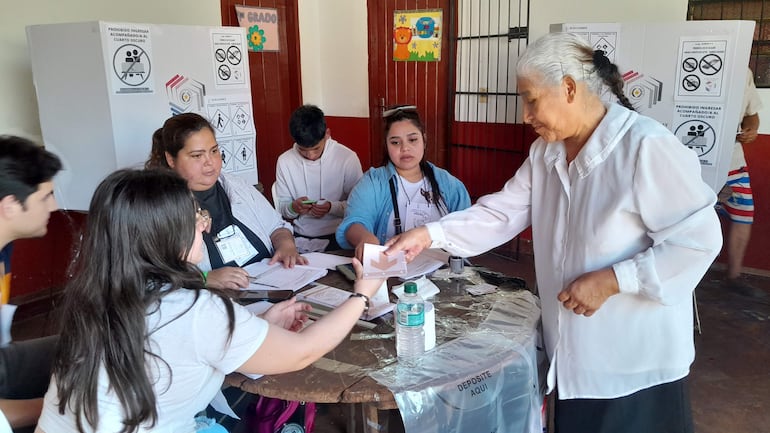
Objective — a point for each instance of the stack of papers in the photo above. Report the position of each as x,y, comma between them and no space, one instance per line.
275,277
326,260
332,297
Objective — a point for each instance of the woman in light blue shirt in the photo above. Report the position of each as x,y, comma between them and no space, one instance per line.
406,192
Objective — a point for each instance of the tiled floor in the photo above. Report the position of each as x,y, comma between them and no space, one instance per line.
730,379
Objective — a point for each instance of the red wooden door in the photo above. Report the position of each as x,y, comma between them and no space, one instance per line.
423,84
276,88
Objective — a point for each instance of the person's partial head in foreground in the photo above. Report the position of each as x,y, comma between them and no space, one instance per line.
26,188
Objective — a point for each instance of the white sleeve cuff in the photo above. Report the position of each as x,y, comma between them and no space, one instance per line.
436,233
625,273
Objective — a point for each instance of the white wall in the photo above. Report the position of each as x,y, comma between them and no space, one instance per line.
333,43
18,106
543,13
334,56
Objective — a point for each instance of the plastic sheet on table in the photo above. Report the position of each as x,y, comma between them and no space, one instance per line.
484,380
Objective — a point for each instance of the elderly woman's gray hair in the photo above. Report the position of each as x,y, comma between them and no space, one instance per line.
555,56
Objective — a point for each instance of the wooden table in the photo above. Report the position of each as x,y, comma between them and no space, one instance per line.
342,375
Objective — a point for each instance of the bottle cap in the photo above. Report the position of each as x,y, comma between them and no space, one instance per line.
410,287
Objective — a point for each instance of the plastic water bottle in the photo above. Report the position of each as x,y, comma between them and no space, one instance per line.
410,321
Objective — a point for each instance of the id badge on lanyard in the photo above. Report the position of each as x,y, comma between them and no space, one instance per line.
417,215
233,245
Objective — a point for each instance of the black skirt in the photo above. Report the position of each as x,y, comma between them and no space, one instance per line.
660,409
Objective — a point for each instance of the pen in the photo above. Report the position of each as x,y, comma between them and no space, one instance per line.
254,279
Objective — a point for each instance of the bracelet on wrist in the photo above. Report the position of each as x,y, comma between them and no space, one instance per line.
291,212
364,297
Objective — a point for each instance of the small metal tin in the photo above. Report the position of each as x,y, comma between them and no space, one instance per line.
456,264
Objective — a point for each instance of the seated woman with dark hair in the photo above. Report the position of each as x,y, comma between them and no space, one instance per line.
146,345
245,228
406,192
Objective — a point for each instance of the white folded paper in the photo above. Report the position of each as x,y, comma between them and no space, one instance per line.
425,288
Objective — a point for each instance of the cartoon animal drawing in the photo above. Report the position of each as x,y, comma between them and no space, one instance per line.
401,38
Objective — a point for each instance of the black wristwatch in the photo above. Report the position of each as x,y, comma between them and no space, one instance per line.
364,297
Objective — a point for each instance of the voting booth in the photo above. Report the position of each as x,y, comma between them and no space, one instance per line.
689,76
103,88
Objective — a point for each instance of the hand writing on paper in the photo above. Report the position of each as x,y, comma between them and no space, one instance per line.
228,277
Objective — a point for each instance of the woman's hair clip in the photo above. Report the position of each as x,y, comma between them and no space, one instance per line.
399,108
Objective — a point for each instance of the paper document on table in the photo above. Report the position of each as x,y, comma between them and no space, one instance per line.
272,277
333,297
425,288
324,260
425,263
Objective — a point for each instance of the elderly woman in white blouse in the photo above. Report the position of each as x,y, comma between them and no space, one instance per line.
623,229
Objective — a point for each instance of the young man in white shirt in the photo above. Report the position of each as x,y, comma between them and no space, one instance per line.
313,180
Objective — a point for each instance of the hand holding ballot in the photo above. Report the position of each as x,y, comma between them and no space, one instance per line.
378,265
410,243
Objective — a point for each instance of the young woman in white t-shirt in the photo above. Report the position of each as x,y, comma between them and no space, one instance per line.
145,344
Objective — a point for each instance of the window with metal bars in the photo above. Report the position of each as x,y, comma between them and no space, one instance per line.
757,10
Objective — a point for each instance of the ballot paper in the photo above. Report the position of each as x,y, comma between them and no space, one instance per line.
425,263
333,297
377,265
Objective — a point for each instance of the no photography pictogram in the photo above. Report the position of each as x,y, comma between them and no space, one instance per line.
224,72
691,83
220,55
689,64
710,64
234,55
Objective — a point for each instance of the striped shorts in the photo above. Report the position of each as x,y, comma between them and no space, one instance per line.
736,199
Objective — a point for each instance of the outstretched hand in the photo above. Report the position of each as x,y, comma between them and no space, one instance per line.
411,242
288,314
367,287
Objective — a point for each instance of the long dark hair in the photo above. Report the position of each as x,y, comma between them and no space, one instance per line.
140,229
409,112
170,138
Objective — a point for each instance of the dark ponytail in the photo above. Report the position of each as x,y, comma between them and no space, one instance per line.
157,158
436,197
610,74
